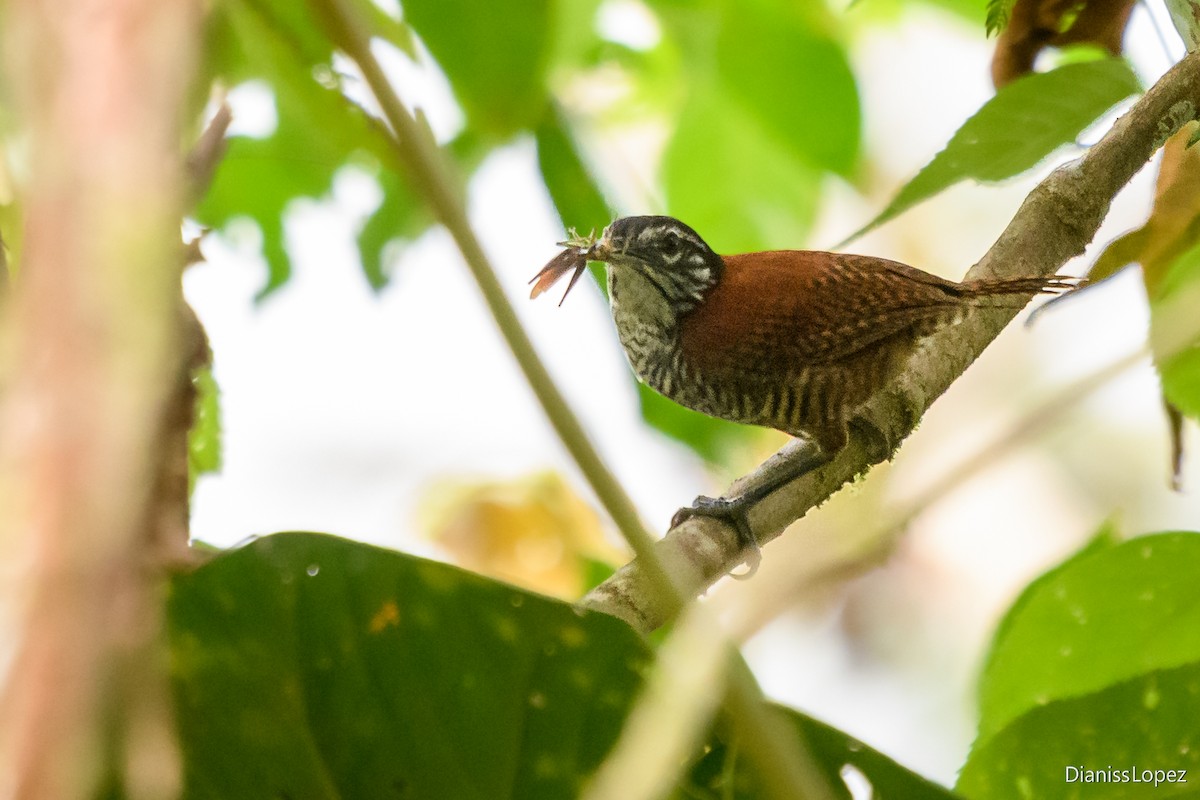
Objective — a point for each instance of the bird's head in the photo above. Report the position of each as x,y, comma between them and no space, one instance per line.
657,265
657,262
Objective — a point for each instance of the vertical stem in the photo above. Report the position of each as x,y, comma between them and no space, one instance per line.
784,767
90,354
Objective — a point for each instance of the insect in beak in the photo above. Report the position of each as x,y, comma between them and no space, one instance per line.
580,250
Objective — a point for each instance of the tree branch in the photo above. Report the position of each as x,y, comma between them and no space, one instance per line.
1055,223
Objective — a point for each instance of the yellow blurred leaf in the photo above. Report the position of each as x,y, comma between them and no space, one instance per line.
1174,223
1172,230
533,531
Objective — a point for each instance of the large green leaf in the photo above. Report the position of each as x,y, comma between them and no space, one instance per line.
1092,657
1107,615
311,667
577,197
1025,122
307,666
580,203
494,54
733,180
795,81
1115,744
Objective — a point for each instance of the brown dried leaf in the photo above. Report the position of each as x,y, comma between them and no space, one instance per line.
1037,24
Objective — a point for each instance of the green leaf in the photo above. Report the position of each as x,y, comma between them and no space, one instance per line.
204,438
795,81
318,131
1025,122
1180,370
400,218
1107,615
733,180
1134,731
494,55
307,666
722,773
999,12
577,197
712,439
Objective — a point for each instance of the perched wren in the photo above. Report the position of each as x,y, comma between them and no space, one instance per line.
795,340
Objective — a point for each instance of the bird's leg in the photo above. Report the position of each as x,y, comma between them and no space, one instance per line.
775,473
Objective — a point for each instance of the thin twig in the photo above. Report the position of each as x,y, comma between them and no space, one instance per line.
1054,224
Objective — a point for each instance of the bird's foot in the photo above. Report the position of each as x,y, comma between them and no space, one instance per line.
733,512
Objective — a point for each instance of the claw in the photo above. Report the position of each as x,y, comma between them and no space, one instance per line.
732,512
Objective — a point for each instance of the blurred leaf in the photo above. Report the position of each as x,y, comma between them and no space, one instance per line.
399,218
534,531
998,14
721,774
307,666
735,182
1133,731
970,10
793,80
1026,121
1163,247
709,437
494,54
573,39
1109,614
1174,223
204,438
1034,25
311,667
1178,360
318,130
577,198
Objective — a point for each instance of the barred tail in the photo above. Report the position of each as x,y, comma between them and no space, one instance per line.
983,290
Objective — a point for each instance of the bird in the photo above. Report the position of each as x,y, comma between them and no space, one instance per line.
795,340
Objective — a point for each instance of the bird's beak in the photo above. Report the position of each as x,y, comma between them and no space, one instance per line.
600,251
